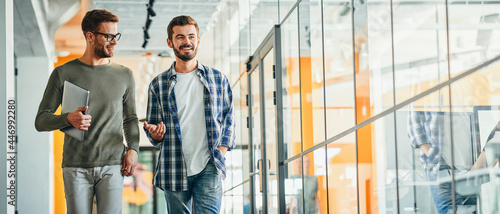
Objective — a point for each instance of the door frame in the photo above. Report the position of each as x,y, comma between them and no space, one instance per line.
272,41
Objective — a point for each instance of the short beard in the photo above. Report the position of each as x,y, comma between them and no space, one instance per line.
100,52
184,58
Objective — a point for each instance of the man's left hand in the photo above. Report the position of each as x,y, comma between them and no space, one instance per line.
223,149
129,163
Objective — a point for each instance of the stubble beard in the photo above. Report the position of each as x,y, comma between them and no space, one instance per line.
186,57
100,51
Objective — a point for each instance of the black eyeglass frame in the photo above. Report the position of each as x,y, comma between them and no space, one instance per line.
108,36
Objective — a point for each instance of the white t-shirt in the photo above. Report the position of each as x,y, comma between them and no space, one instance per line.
191,113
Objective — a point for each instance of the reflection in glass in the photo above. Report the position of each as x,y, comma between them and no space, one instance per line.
233,199
338,64
285,8
429,131
291,90
474,95
342,179
420,51
311,74
264,15
293,183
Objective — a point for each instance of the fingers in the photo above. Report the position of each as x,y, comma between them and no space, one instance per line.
82,109
160,129
129,163
132,170
155,129
84,123
78,120
127,170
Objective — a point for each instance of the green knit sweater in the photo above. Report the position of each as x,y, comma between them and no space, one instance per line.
111,105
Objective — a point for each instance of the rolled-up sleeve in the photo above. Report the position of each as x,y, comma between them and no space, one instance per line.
228,127
416,128
153,113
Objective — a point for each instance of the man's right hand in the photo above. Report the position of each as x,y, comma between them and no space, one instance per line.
79,120
425,148
156,131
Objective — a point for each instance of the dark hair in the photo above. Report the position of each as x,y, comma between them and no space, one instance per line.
94,18
181,20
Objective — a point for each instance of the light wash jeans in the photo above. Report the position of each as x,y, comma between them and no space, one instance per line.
204,190
442,193
81,184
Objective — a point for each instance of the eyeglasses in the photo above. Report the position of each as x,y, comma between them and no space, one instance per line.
109,37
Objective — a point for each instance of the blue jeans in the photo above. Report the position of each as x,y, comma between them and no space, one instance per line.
204,190
442,193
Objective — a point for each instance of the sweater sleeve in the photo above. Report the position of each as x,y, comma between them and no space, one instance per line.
130,121
46,120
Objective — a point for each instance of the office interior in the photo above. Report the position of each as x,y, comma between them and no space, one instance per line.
322,90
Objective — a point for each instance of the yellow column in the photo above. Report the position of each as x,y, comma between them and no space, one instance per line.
59,197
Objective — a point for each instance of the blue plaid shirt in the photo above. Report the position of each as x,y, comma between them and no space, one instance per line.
427,127
170,172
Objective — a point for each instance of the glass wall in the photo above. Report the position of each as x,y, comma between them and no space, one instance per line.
387,105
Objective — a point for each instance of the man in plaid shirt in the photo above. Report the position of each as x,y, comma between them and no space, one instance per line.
426,130
190,118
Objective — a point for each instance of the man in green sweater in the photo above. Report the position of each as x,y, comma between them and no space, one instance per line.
96,165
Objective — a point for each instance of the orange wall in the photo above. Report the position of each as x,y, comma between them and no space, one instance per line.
59,198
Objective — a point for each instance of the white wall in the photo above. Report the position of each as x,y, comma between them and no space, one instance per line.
35,149
6,90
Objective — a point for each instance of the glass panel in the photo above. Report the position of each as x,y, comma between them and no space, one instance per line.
473,32
420,47
414,195
244,31
256,135
246,199
314,168
339,70
311,74
264,15
138,188
293,183
475,157
425,154
270,132
291,90
285,7
342,182
233,199
474,28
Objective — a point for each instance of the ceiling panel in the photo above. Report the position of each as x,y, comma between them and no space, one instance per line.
133,15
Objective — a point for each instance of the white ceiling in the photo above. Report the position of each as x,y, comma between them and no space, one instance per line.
133,15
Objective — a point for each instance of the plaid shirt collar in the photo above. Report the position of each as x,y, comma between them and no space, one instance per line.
200,70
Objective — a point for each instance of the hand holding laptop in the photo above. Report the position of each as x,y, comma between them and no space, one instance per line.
79,120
